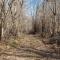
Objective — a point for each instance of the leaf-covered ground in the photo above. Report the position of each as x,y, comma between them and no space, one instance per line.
25,47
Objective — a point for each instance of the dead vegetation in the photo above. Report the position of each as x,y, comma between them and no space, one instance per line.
38,36
28,46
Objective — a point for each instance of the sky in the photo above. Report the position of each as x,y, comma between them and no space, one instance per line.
31,6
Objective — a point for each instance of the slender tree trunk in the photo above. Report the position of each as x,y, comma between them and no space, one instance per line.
0,31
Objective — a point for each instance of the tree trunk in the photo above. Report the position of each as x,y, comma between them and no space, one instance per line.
0,29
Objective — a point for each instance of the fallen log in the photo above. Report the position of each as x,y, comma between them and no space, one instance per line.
41,52
52,40
29,52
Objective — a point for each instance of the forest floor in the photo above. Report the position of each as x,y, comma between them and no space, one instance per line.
26,47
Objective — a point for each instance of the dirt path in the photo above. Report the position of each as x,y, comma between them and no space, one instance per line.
25,47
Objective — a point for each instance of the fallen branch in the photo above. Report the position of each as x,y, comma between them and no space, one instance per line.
41,52
38,53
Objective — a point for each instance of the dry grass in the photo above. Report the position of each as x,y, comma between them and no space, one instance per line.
9,46
25,41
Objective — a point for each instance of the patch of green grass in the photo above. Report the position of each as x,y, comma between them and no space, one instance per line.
13,44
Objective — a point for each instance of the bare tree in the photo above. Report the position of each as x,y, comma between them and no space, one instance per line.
2,13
